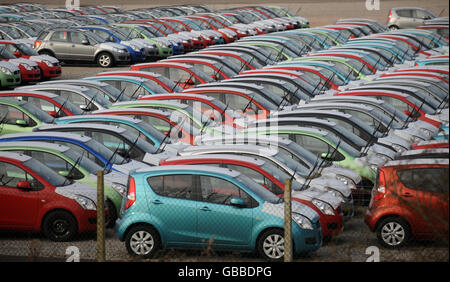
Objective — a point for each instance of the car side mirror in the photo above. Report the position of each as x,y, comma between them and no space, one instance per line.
327,156
237,202
17,54
84,108
64,173
21,122
52,113
84,42
23,184
189,82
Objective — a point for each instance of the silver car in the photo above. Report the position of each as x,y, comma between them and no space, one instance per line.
81,45
408,17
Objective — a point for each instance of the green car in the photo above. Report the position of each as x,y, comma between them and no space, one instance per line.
134,31
319,142
21,116
179,112
342,62
277,52
72,165
9,75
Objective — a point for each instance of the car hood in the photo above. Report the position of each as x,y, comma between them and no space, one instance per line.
278,210
12,67
111,45
391,139
310,195
330,183
41,58
23,61
338,170
27,41
110,178
76,188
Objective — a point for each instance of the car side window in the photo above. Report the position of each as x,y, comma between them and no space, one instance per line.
220,191
56,163
179,186
257,177
77,37
11,175
316,146
44,105
60,36
425,179
406,13
12,115
421,14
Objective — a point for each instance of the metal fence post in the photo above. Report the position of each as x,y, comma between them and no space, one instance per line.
287,221
100,217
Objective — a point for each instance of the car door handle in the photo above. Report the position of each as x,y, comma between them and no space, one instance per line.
157,202
206,209
407,195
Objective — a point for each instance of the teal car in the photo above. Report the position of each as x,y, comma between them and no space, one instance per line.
21,116
352,70
9,75
72,165
196,206
433,62
136,126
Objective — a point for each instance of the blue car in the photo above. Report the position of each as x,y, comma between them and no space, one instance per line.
137,51
95,151
192,207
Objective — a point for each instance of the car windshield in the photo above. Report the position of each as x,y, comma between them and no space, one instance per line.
94,36
154,86
83,161
38,113
68,105
140,143
104,152
45,172
98,97
342,145
26,50
299,168
14,33
152,130
6,54
174,87
259,190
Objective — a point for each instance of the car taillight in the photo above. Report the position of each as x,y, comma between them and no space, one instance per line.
131,195
390,15
381,186
37,43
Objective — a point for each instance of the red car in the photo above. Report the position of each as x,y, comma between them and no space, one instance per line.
331,221
53,104
29,70
215,71
49,66
35,198
157,118
226,36
431,144
410,200
397,99
205,104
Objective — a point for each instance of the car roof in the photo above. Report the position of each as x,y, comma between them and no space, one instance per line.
109,117
426,151
112,77
313,111
81,81
252,160
199,168
18,92
116,129
66,135
187,95
230,148
149,110
15,156
54,85
170,103
34,144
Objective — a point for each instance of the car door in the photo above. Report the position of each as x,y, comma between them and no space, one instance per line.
59,44
423,191
80,47
13,120
420,16
18,207
219,222
172,202
406,18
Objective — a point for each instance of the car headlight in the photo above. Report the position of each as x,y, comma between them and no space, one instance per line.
302,221
383,157
121,189
337,194
85,202
347,181
426,132
374,167
416,139
323,206
135,48
398,148
118,50
48,63
5,70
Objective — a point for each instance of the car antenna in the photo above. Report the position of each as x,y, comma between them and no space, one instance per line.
164,139
127,154
120,94
77,162
135,91
413,112
216,72
244,64
389,126
327,81
278,57
2,122
61,106
110,159
371,140
248,104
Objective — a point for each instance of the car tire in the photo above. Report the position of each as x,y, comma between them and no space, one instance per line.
270,245
393,232
46,52
112,214
105,60
59,226
142,241
393,27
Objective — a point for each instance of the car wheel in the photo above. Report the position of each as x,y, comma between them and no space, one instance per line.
112,214
393,232
271,245
45,52
105,60
393,27
142,241
59,226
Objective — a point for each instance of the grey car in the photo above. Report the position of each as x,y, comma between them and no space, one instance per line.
69,44
408,17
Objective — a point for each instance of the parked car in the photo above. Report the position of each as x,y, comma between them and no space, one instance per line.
81,45
58,208
184,218
410,200
407,17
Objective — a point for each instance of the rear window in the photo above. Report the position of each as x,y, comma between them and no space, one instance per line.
425,179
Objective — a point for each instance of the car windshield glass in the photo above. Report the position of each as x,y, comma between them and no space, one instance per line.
6,54
68,105
141,143
98,97
45,172
104,151
38,113
293,165
150,129
83,161
95,37
154,86
26,50
14,33
342,145
258,189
